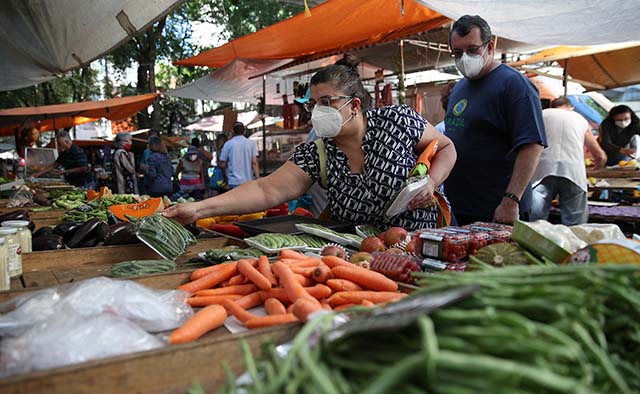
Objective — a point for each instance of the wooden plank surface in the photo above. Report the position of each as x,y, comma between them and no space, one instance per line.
171,369
614,173
618,183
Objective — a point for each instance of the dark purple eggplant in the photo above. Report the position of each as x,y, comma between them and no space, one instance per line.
15,215
31,226
47,242
67,229
84,233
102,231
122,233
46,230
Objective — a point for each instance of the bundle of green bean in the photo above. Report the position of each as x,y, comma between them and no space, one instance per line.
565,329
96,208
142,267
166,236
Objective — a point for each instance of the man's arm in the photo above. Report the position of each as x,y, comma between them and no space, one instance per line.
523,170
46,170
599,157
256,169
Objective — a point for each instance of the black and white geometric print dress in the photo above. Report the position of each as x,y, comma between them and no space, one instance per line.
388,146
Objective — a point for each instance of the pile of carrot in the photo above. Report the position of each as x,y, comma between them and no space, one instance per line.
290,289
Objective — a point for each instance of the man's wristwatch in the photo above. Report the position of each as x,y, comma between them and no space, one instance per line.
512,197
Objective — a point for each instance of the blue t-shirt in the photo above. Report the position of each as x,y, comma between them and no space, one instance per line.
159,174
239,152
488,120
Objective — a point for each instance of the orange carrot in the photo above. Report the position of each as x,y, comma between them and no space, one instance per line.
366,278
210,280
342,307
367,303
239,312
253,274
333,261
211,300
307,262
325,304
265,269
357,297
222,284
237,289
303,280
268,321
291,254
343,285
250,300
304,271
290,308
274,307
322,273
318,292
236,280
199,273
287,279
303,307
205,320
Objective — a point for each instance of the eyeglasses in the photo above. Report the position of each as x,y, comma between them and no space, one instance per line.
324,101
473,50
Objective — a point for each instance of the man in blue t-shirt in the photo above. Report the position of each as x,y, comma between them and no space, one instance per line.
494,119
238,158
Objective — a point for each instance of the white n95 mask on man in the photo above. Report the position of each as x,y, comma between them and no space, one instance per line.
327,120
470,65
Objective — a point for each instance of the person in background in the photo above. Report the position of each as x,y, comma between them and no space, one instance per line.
494,119
619,133
561,171
73,161
29,138
144,163
369,153
239,158
159,169
124,165
445,92
190,169
205,156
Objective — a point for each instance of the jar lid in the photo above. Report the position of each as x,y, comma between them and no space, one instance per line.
8,230
15,223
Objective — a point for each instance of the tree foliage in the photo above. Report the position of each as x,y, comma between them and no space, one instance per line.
241,17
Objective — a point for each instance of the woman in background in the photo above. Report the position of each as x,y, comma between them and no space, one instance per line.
619,133
159,169
124,166
192,178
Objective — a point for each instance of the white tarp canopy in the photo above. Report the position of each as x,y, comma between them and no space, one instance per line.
551,22
250,119
43,39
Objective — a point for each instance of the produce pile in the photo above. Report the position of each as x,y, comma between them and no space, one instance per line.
548,329
290,289
166,236
95,209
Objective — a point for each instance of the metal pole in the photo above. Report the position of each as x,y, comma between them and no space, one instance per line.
264,126
401,87
565,77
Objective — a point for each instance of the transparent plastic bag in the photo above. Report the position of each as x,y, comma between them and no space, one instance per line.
559,234
69,338
153,310
23,197
594,232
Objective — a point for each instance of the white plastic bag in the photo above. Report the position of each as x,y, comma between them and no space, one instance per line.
404,197
69,338
152,310
559,234
594,232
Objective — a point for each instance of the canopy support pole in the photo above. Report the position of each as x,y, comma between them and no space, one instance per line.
401,88
565,78
263,108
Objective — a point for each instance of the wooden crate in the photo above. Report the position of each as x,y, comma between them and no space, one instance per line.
40,219
171,369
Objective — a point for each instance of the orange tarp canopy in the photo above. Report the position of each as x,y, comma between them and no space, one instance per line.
604,66
51,117
334,26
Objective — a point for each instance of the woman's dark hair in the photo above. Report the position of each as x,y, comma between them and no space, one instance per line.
344,76
464,25
621,109
156,145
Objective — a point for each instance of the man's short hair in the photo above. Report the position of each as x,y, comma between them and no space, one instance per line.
464,25
195,142
561,101
238,128
63,135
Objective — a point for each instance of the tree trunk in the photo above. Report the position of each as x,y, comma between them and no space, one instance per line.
147,75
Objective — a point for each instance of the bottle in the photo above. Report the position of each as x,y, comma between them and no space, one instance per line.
14,253
23,232
5,279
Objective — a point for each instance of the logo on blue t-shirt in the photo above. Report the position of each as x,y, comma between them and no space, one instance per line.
460,106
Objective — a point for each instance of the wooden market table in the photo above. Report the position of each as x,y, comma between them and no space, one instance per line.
631,172
170,369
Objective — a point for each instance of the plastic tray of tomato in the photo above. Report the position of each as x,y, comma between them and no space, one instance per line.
497,232
444,244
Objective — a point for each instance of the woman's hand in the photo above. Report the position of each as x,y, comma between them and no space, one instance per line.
425,198
185,213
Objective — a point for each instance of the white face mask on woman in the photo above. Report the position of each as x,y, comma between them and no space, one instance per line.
470,65
327,120
623,123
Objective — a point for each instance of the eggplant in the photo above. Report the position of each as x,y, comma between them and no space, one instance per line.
20,214
122,233
47,242
42,231
31,226
101,232
84,233
67,229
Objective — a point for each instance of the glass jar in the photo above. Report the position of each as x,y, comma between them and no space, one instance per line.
14,253
5,279
23,231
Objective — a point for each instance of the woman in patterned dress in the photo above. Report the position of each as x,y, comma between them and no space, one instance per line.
369,153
